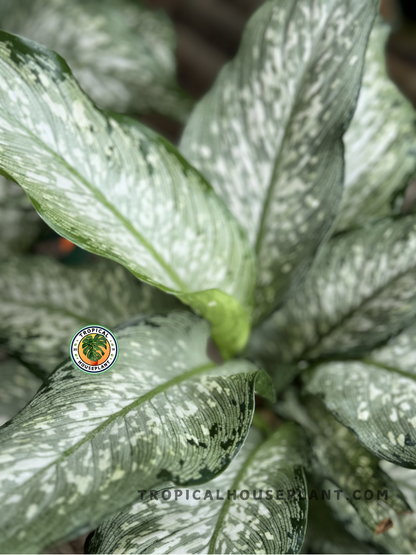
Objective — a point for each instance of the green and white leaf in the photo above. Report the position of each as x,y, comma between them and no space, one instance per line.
84,446
19,223
224,525
404,478
358,294
380,142
18,386
379,405
399,352
396,539
44,303
342,463
268,136
325,534
375,399
113,187
342,459
121,53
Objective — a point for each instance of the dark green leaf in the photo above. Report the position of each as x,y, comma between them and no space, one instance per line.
325,534
342,459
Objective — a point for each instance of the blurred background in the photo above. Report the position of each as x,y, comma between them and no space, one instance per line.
208,35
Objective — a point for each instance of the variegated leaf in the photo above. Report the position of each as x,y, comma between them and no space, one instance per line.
344,472
405,478
380,144
268,136
358,294
19,223
324,533
44,303
115,188
375,397
122,54
164,412
224,525
18,386
342,459
399,352
396,539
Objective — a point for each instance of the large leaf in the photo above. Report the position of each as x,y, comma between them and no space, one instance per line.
224,525
43,304
19,223
18,386
122,54
380,142
341,459
85,444
376,397
268,136
115,188
358,294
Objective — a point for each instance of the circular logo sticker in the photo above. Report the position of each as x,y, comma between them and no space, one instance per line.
94,349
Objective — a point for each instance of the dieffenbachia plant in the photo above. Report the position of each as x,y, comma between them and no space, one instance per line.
41,294
379,144
222,233
121,53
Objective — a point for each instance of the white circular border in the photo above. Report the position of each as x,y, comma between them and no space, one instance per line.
87,368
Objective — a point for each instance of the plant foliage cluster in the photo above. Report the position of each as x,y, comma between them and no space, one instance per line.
274,230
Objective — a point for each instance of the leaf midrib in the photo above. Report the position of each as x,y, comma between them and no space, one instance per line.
172,274
306,352
226,505
368,361
121,413
271,185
